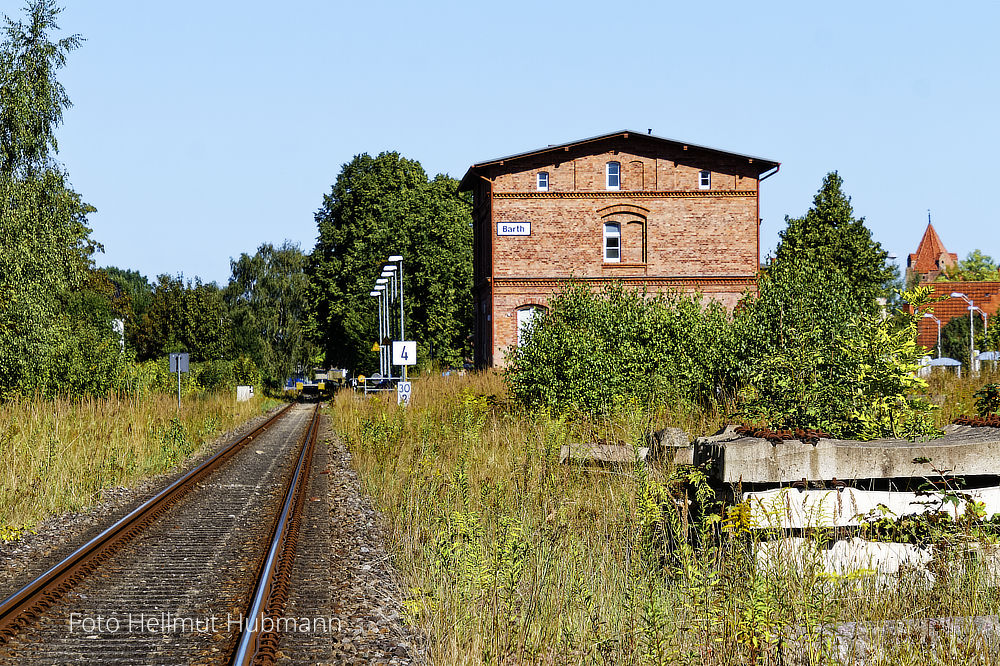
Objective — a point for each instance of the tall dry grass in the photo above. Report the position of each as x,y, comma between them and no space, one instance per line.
510,557
57,455
954,394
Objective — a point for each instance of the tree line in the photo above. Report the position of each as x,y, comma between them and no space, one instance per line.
69,327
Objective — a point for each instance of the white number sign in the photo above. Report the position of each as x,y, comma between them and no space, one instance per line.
404,353
403,392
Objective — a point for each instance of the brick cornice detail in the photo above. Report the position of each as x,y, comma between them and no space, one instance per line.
696,194
637,280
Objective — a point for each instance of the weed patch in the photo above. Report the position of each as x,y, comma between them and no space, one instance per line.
510,557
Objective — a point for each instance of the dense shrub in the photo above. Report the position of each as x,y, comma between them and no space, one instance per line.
814,356
592,349
208,376
799,354
811,363
221,375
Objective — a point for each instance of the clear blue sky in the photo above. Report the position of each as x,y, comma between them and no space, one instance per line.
202,129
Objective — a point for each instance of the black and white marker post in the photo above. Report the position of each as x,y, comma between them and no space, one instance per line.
179,364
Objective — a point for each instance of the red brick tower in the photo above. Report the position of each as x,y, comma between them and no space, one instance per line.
930,259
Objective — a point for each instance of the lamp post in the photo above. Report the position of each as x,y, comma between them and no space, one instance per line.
928,315
982,313
968,300
383,332
398,259
377,293
390,275
389,272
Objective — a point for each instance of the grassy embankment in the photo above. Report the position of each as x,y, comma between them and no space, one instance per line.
57,455
509,557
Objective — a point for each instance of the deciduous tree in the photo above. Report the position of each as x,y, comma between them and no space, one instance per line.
976,267
45,245
955,337
184,317
267,301
381,206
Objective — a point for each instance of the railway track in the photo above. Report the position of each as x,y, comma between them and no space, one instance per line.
197,574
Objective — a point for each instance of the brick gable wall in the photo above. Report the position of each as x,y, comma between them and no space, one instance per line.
675,235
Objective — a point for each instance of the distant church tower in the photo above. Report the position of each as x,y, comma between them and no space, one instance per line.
930,259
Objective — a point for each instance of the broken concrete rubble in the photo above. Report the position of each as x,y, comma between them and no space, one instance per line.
790,508
848,558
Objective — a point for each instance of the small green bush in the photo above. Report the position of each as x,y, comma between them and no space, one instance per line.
988,399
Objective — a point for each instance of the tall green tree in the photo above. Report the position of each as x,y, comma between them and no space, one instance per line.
267,301
134,289
816,349
189,317
45,245
991,341
381,206
829,237
955,338
31,98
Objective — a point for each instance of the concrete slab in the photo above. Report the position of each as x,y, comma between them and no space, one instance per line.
930,640
672,445
964,451
601,454
851,558
789,508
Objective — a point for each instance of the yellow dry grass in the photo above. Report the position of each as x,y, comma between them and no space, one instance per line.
57,455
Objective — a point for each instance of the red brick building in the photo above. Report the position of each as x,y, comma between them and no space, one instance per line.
985,295
648,211
927,263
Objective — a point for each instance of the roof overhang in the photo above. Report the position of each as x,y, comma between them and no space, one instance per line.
758,164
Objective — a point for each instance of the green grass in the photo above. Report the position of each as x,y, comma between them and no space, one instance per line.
509,557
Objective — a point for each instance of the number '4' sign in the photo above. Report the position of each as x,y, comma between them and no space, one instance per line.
404,353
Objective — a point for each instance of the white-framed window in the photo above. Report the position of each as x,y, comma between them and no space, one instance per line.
613,171
704,179
543,181
612,243
525,319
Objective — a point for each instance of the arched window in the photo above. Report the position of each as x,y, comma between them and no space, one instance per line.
526,316
704,179
612,243
613,171
543,181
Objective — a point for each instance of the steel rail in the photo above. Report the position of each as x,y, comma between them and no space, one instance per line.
44,590
257,644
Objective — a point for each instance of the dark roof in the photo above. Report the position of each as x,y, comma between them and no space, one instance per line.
760,163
